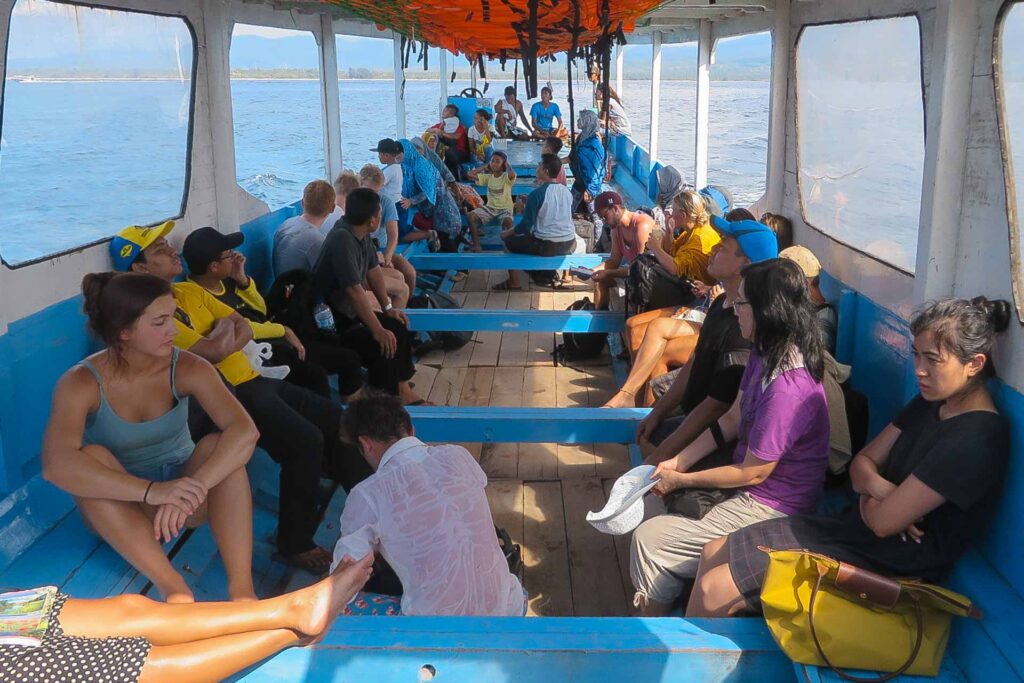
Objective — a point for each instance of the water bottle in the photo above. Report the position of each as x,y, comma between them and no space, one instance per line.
324,317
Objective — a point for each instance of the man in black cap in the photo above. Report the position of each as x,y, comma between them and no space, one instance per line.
390,153
215,266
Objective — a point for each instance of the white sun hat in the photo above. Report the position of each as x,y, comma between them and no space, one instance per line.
625,507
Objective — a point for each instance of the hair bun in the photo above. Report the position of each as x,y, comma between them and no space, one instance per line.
997,311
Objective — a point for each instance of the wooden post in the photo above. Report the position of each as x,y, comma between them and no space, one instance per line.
330,97
620,62
443,67
700,157
399,88
781,43
655,93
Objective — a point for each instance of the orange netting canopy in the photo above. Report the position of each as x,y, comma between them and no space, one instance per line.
503,28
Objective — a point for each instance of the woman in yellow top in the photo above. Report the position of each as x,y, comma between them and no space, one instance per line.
665,337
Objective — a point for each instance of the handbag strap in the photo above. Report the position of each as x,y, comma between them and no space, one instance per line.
822,573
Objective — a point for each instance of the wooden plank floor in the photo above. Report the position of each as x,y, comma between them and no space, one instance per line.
540,492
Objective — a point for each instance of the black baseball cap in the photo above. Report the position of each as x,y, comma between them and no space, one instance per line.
388,146
205,245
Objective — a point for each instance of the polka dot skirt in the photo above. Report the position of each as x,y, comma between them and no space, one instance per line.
73,659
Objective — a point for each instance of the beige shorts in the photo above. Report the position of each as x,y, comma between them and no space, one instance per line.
486,215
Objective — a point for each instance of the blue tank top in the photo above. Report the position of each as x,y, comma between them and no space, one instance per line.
141,446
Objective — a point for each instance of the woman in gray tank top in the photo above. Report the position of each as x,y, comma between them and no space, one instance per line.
118,438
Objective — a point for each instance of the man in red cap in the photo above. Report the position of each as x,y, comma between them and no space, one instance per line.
630,232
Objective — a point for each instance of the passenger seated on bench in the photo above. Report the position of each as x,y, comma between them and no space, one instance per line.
425,511
543,115
118,438
386,237
927,483
711,354
297,242
426,188
630,232
554,146
130,638
546,227
685,256
827,317
452,135
618,120
215,267
508,111
297,428
499,178
480,136
670,186
587,162
390,153
780,418
781,226
347,270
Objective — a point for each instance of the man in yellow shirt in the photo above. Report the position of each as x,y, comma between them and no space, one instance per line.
298,429
498,179
216,267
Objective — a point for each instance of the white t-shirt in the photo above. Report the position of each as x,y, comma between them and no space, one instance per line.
426,512
393,179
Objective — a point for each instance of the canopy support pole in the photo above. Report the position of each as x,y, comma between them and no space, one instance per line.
655,93
781,44
948,121
330,97
620,62
399,88
443,82
216,35
704,57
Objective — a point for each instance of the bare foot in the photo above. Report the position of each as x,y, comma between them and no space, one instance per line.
315,607
621,399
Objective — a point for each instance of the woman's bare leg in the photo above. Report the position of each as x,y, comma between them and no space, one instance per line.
407,270
128,529
676,354
636,327
715,594
213,660
308,611
659,331
229,509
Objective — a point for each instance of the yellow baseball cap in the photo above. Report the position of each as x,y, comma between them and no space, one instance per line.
131,241
803,257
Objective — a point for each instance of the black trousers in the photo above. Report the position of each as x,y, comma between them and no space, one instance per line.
383,373
299,429
528,244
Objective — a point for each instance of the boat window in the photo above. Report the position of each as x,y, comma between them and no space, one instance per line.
275,103
860,134
95,128
1010,92
738,117
366,83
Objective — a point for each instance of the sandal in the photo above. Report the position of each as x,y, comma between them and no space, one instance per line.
505,286
316,560
421,402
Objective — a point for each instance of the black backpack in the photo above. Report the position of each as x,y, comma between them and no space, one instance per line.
290,302
650,287
446,341
580,345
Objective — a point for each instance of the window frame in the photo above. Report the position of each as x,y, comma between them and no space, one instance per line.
1009,179
189,132
796,124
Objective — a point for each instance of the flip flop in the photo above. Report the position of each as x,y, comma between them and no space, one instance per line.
504,286
421,402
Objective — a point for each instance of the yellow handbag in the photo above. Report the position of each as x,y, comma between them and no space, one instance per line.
829,613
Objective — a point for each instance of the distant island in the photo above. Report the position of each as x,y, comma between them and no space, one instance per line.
669,73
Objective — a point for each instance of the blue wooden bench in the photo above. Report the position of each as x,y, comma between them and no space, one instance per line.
424,261
491,320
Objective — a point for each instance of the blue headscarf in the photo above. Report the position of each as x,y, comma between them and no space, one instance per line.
418,174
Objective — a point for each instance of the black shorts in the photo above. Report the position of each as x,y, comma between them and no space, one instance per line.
528,244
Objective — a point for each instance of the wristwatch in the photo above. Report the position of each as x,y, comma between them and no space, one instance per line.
388,307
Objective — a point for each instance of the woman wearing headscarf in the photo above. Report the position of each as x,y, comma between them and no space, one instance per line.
670,186
425,145
587,161
424,187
